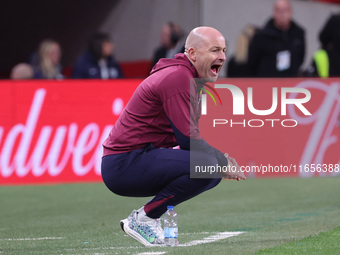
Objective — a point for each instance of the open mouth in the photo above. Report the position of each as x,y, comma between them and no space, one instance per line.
216,68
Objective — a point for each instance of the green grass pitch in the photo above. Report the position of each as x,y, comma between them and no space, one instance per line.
276,216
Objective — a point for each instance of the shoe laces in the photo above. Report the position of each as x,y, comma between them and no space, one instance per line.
155,226
150,228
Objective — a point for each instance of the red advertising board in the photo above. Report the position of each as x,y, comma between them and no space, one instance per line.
52,131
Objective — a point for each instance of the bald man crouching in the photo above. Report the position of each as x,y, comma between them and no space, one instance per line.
162,113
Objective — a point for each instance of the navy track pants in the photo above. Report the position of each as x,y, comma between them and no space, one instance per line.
159,172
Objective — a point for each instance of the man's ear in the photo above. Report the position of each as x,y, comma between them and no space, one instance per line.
192,54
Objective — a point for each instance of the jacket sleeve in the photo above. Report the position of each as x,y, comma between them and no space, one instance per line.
78,70
303,51
120,72
185,127
254,55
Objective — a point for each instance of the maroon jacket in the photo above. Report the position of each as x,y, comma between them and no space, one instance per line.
164,110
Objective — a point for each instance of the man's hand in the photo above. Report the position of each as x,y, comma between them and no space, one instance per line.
235,172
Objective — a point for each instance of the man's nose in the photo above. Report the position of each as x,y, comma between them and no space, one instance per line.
222,56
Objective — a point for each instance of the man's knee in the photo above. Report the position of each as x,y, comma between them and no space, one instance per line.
204,166
214,182
202,159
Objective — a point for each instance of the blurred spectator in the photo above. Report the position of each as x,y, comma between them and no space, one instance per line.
326,61
48,64
22,71
238,64
172,42
278,49
330,32
98,61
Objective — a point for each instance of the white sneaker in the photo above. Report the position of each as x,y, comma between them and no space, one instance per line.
149,232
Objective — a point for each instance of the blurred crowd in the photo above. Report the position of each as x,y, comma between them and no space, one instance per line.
278,48
275,50
97,62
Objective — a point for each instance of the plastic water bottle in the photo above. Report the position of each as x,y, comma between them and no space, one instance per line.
170,227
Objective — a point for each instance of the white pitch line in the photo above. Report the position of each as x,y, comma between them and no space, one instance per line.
152,253
31,239
210,239
197,233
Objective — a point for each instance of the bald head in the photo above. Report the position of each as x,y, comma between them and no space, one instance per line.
282,14
280,3
200,36
205,48
22,71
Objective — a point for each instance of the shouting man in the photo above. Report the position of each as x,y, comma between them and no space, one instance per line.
163,112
